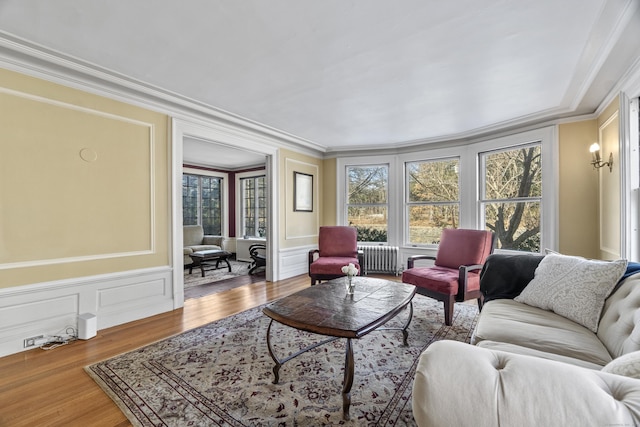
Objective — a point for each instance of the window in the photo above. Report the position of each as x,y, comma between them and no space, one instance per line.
367,201
511,196
202,202
432,199
254,206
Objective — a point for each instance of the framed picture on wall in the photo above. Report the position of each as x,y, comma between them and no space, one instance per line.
302,192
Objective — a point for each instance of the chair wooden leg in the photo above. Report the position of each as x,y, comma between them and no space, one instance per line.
313,281
448,309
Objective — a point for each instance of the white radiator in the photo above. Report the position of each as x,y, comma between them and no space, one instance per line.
380,259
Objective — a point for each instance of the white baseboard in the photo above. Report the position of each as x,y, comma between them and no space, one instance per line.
50,308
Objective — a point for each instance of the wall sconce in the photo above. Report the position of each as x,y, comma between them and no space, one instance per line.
597,161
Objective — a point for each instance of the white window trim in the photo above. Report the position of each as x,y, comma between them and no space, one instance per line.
239,176
393,219
224,189
405,196
469,187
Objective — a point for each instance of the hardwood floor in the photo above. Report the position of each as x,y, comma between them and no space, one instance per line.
50,388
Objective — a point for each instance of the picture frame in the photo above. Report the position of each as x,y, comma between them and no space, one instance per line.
302,192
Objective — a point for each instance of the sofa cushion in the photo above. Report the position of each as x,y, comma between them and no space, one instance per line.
627,365
573,287
506,275
332,265
512,322
192,235
197,248
527,351
439,279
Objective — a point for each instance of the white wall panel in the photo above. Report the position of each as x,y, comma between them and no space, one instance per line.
52,307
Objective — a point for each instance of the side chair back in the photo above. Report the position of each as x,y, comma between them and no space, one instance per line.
337,247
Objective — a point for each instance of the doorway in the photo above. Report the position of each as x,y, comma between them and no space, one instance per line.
195,143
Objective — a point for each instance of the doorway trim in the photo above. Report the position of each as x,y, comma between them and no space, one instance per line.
233,137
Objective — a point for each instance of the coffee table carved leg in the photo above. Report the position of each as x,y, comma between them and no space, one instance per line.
276,367
348,380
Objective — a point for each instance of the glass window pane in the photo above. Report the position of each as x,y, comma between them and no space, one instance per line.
367,184
371,222
516,224
426,222
513,173
433,181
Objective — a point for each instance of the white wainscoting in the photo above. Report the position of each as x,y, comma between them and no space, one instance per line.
294,261
49,308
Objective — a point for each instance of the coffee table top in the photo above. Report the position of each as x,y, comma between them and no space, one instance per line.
327,309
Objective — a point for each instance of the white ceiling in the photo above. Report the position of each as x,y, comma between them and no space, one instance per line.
204,153
354,74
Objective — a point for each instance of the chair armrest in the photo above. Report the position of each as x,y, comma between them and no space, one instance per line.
414,258
470,267
460,384
360,255
312,255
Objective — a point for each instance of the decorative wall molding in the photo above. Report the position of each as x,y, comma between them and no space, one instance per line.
294,261
51,307
35,60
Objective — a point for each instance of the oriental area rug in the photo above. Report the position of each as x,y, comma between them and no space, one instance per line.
238,268
221,374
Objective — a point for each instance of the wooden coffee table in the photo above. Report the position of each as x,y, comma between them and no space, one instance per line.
206,258
326,309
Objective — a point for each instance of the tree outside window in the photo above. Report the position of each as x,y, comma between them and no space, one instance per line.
511,196
202,202
433,199
367,201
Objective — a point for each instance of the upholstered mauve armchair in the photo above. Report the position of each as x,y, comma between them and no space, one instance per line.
337,247
455,275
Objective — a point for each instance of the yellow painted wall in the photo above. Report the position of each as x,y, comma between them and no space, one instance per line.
578,190
84,183
299,228
609,183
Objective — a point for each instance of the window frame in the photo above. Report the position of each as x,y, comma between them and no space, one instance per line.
394,186
224,199
242,230
408,204
482,182
240,200
468,178
386,204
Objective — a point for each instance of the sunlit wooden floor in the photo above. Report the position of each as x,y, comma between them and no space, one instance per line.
50,388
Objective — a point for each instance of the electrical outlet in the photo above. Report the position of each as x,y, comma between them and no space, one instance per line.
38,340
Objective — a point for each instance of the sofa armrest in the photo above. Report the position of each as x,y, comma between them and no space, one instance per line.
505,276
460,384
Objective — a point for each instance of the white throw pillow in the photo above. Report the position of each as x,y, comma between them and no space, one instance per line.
627,365
573,287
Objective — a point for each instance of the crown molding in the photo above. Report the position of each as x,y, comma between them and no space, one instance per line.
32,59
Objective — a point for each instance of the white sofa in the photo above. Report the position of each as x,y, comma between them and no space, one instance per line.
529,366
194,240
